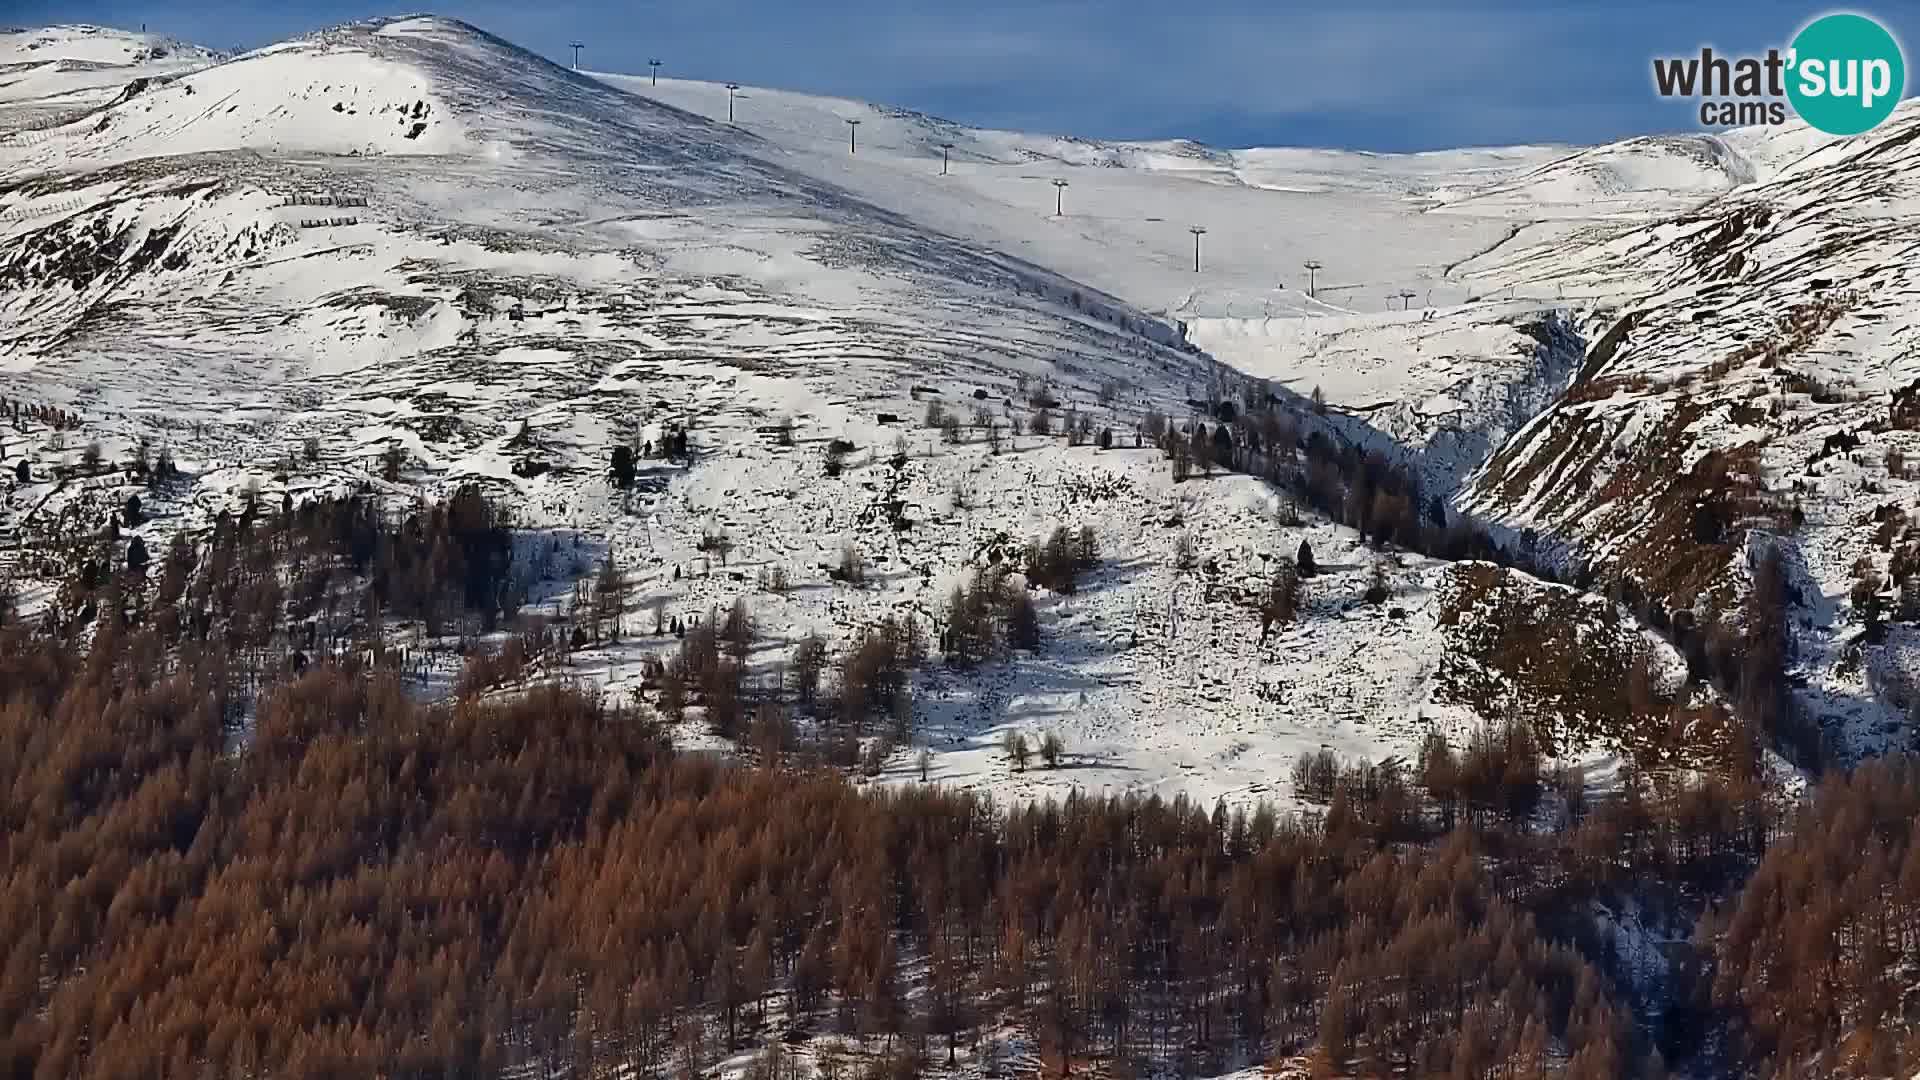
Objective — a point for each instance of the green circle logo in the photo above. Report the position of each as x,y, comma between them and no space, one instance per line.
1846,74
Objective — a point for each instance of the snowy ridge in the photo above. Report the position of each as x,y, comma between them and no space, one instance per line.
1125,216
51,74
797,120
1649,176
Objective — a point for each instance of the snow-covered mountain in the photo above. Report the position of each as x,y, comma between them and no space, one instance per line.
53,73
1754,370
410,234
1390,233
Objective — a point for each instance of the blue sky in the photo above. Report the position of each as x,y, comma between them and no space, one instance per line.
1367,74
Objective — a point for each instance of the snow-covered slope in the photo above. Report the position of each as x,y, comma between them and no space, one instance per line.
1413,318
802,122
53,73
1750,370
100,46
261,256
1646,176
409,236
311,97
1128,207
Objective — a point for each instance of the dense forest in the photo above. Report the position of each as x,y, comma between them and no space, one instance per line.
235,842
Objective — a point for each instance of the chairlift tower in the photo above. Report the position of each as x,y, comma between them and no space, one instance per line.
853,125
655,65
732,89
1198,231
1313,269
1059,191
944,147
577,46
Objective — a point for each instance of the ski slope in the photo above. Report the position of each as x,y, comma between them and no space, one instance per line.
1268,210
1129,206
